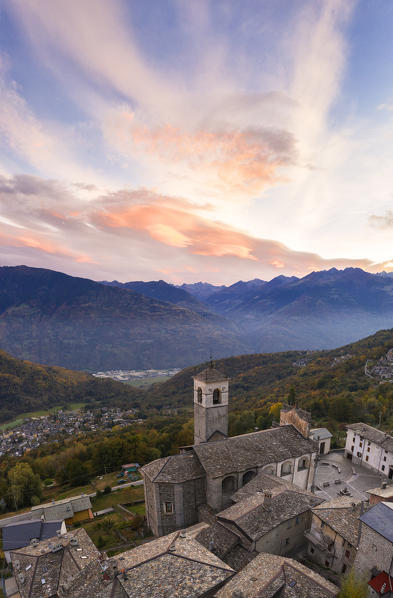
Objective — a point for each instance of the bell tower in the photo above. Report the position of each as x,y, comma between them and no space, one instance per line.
210,406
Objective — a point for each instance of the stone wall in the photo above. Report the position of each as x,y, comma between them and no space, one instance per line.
286,537
296,417
373,551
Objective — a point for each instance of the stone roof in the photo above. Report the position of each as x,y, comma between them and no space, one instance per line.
373,434
249,451
320,434
269,575
210,374
382,492
265,481
217,539
342,515
40,570
255,519
63,509
176,468
170,567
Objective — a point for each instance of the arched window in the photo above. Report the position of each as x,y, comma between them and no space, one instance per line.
302,464
199,391
216,396
248,476
286,468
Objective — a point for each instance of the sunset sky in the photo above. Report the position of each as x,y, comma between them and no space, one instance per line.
192,140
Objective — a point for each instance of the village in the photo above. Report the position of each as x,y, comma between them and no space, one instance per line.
39,430
272,513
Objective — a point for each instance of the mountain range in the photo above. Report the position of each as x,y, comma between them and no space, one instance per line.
56,319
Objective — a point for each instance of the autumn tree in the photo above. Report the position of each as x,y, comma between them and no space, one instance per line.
24,485
353,586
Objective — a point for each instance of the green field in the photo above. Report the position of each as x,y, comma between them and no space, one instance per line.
19,420
147,382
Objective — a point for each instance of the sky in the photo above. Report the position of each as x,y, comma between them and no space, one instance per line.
191,140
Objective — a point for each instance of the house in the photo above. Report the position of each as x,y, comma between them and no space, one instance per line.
216,466
323,437
272,576
20,534
375,549
370,447
72,510
381,586
272,522
384,493
174,566
130,468
334,533
42,568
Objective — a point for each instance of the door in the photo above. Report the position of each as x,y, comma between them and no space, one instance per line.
322,448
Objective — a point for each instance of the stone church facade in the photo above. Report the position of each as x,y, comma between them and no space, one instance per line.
216,466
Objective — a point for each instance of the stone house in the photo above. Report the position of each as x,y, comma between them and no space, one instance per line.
370,447
216,466
42,568
272,576
334,533
375,549
272,522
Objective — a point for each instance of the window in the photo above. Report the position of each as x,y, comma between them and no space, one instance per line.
359,454
297,520
347,554
344,568
353,440
360,444
312,550
287,541
367,458
352,449
368,449
383,467
286,468
216,396
199,395
326,563
384,458
303,464
168,508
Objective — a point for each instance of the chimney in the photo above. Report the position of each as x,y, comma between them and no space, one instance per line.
267,502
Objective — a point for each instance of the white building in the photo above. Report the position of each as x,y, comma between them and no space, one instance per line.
370,447
323,437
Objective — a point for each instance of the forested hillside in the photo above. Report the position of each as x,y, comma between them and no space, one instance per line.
332,384
26,386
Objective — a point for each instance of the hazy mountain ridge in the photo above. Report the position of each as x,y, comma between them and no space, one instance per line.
52,318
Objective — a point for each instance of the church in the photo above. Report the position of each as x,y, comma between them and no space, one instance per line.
205,476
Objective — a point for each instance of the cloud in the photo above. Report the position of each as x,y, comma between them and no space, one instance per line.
388,106
383,222
138,234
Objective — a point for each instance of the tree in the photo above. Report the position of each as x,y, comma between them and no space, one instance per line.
24,485
75,473
353,586
275,410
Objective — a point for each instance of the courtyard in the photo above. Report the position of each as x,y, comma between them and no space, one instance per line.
335,473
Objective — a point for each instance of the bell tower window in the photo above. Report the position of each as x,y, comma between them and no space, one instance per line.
216,396
199,393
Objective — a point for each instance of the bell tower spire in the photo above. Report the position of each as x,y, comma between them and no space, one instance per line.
210,405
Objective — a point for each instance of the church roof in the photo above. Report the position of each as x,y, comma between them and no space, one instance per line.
210,374
249,451
265,481
176,468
